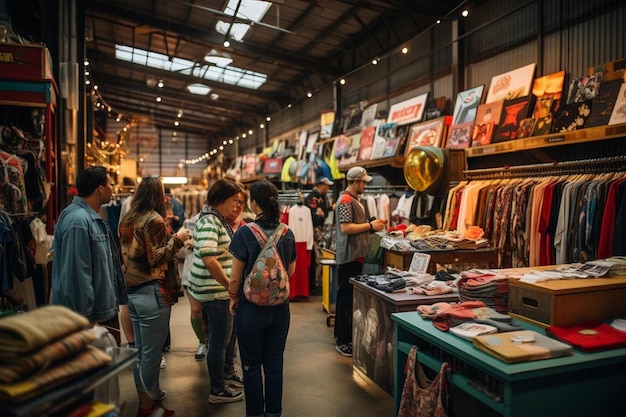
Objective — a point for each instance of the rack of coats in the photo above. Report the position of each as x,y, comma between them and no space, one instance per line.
545,214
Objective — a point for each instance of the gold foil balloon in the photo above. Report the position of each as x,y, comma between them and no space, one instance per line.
423,168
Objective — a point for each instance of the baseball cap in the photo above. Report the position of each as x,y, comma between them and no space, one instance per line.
358,174
324,180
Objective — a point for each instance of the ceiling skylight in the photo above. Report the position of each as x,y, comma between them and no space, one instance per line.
227,75
253,10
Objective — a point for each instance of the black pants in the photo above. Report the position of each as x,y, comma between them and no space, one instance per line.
343,308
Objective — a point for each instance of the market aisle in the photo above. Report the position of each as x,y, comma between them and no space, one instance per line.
318,381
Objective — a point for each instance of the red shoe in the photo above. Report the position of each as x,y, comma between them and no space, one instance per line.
157,410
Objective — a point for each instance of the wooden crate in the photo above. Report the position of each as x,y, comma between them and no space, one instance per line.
29,62
569,301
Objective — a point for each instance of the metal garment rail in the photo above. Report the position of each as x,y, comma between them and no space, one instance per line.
582,166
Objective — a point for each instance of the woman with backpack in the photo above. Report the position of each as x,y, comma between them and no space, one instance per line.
262,321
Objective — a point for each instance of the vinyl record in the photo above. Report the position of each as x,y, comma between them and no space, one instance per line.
423,168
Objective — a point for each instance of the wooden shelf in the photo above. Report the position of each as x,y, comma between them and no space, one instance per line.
597,133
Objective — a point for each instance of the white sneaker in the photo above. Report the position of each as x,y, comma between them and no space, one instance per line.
163,363
201,352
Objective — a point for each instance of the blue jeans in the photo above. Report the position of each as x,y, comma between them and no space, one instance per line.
262,334
220,358
150,320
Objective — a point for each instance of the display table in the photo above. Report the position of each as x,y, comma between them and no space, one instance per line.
373,330
582,385
474,258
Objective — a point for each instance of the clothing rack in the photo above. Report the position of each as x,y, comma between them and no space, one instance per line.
582,166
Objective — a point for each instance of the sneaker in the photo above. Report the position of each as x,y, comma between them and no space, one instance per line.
162,396
234,380
163,363
227,395
345,350
201,352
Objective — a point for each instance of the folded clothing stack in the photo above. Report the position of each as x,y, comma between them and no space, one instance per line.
491,289
446,315
43,348
589,336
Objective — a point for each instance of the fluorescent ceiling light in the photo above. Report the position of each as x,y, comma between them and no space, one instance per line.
253,10
226,75
199,89
221,59
174,180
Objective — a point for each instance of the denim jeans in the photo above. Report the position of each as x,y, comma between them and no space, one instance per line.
220,358
150,320
262,334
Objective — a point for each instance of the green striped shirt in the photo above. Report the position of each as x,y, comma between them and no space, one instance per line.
208,235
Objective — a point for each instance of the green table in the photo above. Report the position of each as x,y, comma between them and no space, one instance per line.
585,384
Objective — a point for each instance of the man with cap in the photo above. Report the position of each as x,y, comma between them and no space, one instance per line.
353,230
320,206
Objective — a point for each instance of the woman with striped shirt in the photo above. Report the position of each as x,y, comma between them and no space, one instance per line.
209,280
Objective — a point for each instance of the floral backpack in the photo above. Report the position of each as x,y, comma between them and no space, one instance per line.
267,284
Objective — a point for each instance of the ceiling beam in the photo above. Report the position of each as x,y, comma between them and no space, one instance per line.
93,8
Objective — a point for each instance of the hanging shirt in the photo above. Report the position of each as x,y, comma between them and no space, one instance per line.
301,223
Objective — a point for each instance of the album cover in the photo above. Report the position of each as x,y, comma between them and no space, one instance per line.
584,88
572,116
487,116
602,105
512,84
436,108
366,146
526,127
512,114
543,113
460,135
619,109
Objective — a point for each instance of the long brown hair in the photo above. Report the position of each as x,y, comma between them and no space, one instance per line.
149,196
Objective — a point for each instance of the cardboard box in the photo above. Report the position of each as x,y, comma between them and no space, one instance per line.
568,301
30,62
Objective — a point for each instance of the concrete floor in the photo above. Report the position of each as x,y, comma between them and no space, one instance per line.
318,381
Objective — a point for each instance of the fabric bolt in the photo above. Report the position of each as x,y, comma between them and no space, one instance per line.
17,367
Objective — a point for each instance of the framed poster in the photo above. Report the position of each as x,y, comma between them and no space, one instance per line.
487,117
466,105
512,84
408,111
425,134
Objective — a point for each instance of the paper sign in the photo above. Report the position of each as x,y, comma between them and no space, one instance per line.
419,263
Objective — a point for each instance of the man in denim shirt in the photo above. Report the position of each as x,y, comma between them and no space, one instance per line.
86,270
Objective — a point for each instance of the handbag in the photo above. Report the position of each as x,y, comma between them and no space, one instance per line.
420,396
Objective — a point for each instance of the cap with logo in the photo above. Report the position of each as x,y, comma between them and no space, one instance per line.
324,180
358,174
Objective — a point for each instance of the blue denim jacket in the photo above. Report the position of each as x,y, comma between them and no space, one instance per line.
86,271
